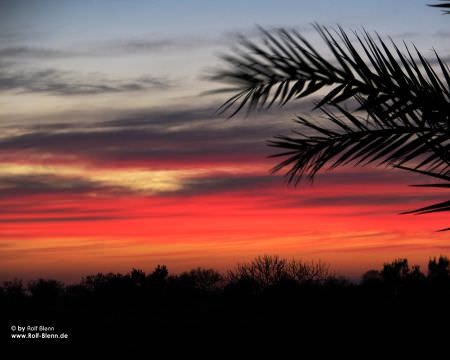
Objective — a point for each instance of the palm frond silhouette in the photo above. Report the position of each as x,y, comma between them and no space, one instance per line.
380,104
444,4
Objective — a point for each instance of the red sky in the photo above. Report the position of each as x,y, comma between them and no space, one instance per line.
65,220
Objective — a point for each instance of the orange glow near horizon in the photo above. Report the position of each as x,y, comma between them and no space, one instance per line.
68,235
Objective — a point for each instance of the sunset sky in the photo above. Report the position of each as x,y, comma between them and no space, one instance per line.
112,157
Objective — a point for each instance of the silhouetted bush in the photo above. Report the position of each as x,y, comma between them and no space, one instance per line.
137,277
159,274
13,294
205,280
395,272
439,270
13,289
46,294
371,277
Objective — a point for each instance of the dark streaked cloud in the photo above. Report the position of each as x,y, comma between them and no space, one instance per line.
178,138
136,45
442,34
180,135
150,45
373,176
369,199
114,47
154,46
213,183
58,82
219,183
60,219
35,209
170,117
36,184
153,148
165,119
28,52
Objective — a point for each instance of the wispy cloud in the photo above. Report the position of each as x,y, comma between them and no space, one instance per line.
113,47
35,52
35,184
369,199
58,82
150,45
182,137
60,219
220,183
175,152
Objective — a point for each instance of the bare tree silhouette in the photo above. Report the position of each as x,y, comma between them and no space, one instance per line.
268,270
380,105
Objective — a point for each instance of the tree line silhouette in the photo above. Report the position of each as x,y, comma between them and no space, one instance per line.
258,296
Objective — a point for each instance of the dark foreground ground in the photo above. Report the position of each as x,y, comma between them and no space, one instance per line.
269,302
